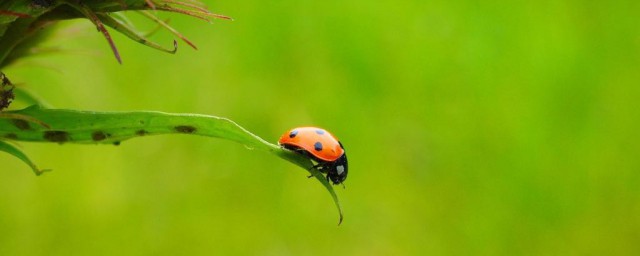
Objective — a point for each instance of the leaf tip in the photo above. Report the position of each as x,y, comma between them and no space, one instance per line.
40,172
175,47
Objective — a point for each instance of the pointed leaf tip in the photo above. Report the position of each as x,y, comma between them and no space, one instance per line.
329,188
12,150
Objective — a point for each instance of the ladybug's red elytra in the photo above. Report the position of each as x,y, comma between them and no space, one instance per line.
319,145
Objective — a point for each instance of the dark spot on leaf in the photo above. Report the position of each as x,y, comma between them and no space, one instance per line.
317,146
116,143
99,135
56,136
21,124
185,129
293,133
12,136
141,132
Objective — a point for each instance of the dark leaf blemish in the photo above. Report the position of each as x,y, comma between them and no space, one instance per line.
116,143
56,136
141,132
21,124
11,136
185,129
99,135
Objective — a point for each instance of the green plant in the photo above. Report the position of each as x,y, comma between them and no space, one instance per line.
24,23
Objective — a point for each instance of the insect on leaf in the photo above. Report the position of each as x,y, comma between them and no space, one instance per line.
87,127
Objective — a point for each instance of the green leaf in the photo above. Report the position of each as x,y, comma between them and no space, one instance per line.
86,127
6,147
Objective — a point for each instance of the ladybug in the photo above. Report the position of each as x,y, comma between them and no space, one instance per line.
321,147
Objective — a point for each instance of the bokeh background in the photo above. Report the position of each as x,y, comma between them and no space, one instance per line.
494,128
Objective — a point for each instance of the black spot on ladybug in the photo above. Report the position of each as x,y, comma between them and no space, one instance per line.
99,135
11,136
21,124
317,146
141,132
318,131
56,136
293,133
185,129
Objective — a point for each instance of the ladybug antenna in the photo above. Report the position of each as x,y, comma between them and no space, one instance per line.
343,187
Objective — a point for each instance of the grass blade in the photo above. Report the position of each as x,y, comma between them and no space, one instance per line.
86,127
12,150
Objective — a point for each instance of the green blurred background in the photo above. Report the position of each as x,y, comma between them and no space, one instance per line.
494,128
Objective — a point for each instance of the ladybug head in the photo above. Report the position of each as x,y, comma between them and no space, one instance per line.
338,170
